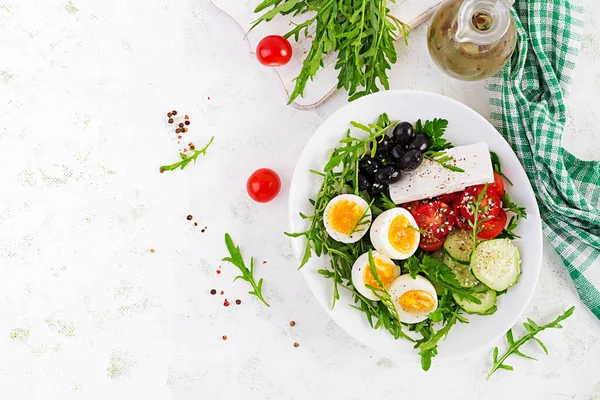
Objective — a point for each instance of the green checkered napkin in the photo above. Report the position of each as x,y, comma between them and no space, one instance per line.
527,106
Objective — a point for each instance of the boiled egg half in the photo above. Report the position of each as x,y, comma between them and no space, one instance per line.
414,298
362,276
347,218
395,234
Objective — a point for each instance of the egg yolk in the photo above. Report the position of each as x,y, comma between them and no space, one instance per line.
385,271
344,216
400,235
417,301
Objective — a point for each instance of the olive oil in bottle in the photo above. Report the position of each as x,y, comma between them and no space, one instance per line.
472,39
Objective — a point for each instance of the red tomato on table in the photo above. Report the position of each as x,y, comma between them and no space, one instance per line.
274,51
263,185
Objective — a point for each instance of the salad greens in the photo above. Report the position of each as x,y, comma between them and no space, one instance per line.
361,32
520,212
185,159
533,329
434,130
340,175
235,257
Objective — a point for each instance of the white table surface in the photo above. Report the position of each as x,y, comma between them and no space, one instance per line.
87,312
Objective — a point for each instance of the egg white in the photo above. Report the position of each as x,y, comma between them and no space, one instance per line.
405,283
358,273
381,227
360,230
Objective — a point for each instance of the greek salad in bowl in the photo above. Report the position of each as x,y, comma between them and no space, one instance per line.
418,231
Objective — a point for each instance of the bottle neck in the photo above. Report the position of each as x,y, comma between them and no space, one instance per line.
483,22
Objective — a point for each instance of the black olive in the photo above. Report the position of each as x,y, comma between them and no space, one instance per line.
383,145
404,133
368,165
396,152
377,188
410,160
389,175
420,142
385,159
363,182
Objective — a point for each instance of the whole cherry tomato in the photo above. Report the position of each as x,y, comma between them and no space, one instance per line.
263,185
274,51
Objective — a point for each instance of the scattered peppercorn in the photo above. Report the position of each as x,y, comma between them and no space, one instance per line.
186,117
238,302
152,250
204,230
179,137
187,122
296,344
222,292
181,124
224,337
192,147
226,303
185,129
174,112
195,224
169,115
178,130
218,272
170,120
161,170
189,217
213,291
292,323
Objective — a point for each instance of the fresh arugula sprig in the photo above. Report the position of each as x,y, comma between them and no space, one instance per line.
384,296
477,221
185,159
519,212
236,259
448,313
533,329
365,219
497,165
362,33
434,131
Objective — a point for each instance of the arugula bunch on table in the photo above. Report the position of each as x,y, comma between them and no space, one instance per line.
361,32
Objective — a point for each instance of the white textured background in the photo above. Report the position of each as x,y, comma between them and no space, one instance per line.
87,312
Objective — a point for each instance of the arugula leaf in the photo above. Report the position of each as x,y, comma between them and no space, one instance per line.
439,272
185,160
413,266
235,258
434,131
533,329
362,33
520,212
497,165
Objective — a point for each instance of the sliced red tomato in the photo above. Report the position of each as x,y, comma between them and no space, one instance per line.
429,243
412,206
460,221
489,207
448,198
492,228
498,185
436,217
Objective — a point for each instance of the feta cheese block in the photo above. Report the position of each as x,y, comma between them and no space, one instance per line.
431,179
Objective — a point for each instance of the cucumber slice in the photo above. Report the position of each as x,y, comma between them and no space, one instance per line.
496,263
462,272
488,300
439,254
459,246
